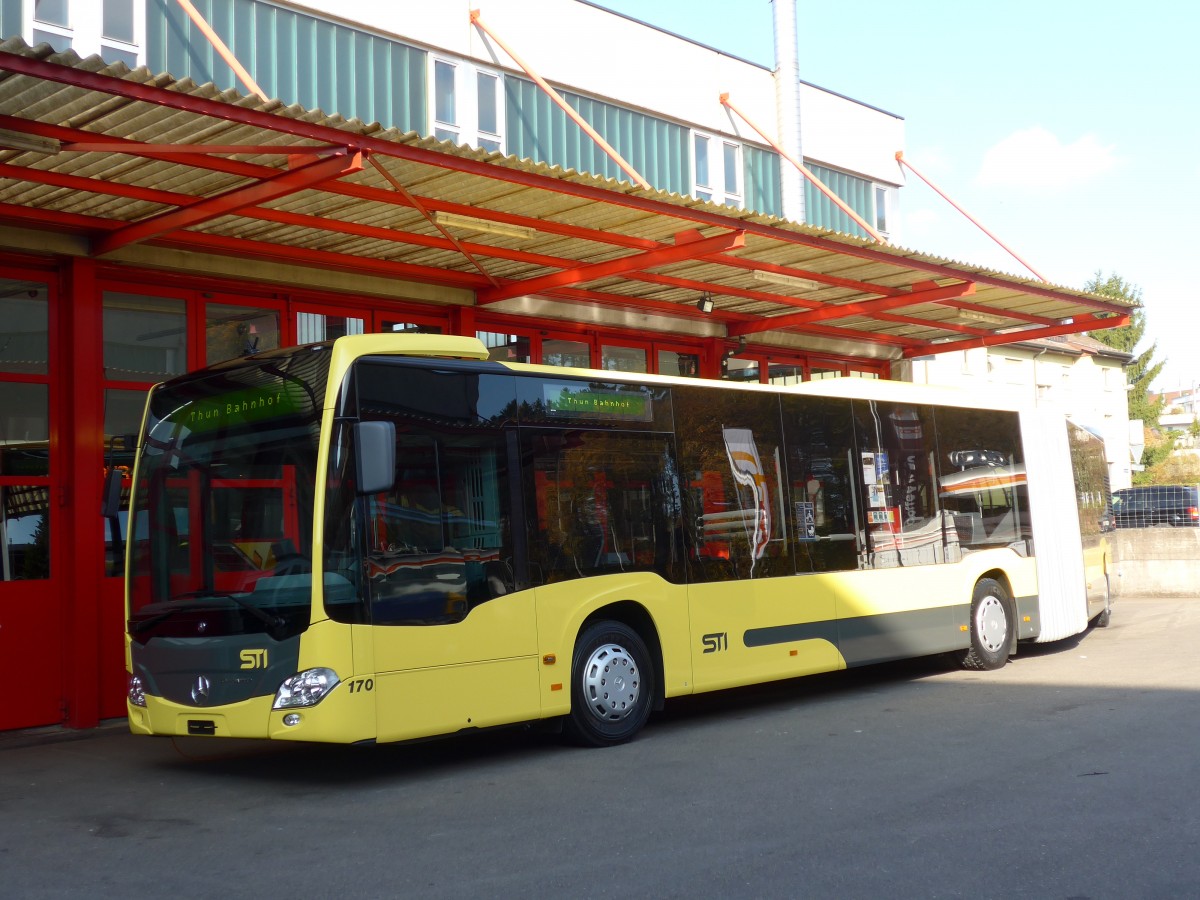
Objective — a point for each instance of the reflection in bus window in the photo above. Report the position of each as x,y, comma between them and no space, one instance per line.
600,501
730,457
820,449
437,543
896,450
982,481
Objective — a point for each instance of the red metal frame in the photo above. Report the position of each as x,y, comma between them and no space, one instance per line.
166,228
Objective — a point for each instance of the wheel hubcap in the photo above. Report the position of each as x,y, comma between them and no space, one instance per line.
611,683
991,624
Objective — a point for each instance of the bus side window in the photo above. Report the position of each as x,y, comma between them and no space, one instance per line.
439,543
735,496
600,501
820,445
981,478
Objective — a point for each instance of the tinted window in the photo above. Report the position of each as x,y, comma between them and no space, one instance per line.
730,463
600,502
896,450
820,450
981,481
440,542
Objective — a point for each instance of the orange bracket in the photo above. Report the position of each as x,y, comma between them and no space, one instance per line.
904,162
816,182
221,48
563,104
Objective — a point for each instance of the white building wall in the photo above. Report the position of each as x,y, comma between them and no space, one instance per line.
592,51
1089,390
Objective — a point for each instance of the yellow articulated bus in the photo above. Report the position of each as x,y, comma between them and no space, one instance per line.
390,537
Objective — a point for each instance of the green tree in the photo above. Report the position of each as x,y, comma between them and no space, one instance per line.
1144,369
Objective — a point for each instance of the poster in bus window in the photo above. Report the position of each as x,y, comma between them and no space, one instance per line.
747,470
868,468
806,520
876,495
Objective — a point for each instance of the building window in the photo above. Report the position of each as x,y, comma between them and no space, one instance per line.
488,109
145,338
703,180
468,107
112,28
233,331
506,347
716,170
732,164
445,96
881,210
622,359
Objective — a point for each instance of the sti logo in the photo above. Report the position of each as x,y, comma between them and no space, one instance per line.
716,641
254,659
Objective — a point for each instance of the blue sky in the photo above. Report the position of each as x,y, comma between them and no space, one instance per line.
1070,129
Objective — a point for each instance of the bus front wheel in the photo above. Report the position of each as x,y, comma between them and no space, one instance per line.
991,627
612,685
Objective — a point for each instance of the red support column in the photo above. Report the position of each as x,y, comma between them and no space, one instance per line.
462,321
81,558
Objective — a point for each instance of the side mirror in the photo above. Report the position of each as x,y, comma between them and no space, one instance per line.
375,456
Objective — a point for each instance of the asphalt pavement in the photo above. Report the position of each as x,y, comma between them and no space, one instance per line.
1073,772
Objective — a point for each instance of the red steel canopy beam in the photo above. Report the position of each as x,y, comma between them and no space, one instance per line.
664,256
281,185
554,95
149,93
1080,323
863,308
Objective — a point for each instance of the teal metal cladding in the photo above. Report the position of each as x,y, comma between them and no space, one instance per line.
538,129
293,57
10,18
857,193
760,169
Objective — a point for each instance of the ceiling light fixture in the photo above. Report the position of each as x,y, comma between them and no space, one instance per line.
988,318
705,303
789,280
454,220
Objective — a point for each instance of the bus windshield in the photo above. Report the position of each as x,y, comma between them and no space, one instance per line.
222,507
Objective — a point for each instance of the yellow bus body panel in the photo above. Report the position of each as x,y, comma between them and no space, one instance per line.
563,608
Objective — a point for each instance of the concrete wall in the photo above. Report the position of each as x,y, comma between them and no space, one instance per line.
1158,562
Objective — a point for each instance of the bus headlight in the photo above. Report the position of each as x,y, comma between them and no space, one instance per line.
137,693
307,688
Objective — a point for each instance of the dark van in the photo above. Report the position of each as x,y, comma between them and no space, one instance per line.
1159,504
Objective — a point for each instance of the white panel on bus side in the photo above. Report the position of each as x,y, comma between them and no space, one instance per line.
1057,543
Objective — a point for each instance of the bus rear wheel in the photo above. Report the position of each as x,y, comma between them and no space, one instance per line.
612,685
991,627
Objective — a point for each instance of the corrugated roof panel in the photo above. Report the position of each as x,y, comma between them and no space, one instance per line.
576,219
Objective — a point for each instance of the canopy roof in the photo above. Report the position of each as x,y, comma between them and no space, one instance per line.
121,157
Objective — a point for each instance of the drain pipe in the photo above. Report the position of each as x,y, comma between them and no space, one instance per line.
787,106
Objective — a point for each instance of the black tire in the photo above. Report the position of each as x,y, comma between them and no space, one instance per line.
1105,618
991,627
612,686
